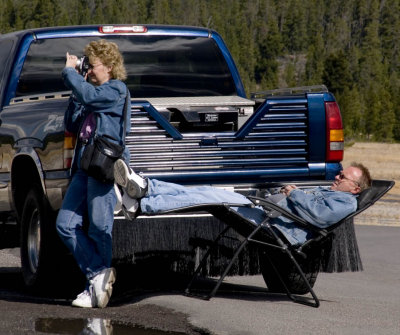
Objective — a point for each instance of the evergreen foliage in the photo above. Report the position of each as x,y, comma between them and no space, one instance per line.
351,46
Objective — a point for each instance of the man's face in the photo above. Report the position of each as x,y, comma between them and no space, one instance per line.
346,180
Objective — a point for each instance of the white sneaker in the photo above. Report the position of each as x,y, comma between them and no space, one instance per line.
129,207
98,326
135,185
86,299
126,204
118,205
102,286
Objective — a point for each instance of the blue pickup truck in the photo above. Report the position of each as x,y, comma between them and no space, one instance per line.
191,124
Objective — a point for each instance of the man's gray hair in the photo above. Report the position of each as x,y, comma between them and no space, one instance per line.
365,180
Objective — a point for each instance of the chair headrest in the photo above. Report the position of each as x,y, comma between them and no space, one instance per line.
374,193
365,197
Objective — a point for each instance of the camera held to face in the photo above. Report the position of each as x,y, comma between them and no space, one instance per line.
82,65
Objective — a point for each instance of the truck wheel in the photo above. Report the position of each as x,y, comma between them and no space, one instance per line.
37,250
288,272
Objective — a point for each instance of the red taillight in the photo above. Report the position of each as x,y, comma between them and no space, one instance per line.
334,132
69,146
122,29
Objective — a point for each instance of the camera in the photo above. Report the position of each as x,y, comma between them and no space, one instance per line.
82,65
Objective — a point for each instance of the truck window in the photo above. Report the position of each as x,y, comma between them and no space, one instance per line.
157,66
5,52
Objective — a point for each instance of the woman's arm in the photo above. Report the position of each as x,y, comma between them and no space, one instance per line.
73,115
87,94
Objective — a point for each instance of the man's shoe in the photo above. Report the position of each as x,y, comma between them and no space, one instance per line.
102,286
133,184
129,207
118,205
86,299
126,204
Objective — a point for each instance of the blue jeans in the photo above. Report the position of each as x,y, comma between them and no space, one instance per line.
88,201
163,196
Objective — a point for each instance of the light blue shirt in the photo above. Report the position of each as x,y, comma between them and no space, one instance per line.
319,206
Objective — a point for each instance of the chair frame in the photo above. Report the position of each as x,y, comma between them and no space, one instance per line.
269,237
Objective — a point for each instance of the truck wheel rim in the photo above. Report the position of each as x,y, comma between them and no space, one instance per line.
33,241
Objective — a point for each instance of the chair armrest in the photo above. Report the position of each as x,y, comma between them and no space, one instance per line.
198,208
272,206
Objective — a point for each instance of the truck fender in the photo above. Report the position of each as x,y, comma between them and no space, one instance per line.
26,170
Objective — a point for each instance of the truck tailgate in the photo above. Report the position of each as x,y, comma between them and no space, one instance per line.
271,144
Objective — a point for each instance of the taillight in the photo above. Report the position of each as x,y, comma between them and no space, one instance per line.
334,131
69,146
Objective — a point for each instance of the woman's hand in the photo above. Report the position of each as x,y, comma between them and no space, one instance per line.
71,60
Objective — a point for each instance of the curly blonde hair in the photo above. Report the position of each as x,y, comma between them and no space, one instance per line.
109,55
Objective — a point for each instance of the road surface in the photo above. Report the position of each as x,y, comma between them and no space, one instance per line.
362,303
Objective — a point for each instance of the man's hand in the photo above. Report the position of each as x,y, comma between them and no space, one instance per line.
287,189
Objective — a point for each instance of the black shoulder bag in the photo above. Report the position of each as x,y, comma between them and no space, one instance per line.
100,154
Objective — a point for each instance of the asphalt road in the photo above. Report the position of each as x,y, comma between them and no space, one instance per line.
365,302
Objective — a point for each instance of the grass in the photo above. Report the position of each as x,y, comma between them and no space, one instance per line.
383,161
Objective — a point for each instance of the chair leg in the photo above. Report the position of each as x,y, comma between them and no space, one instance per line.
204,260
299,300
291,296
238,250
227,268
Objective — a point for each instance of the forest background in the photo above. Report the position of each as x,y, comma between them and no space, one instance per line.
351,46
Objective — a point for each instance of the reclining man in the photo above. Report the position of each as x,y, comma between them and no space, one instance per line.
320,206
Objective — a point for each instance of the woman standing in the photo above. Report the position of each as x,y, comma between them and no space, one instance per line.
85,220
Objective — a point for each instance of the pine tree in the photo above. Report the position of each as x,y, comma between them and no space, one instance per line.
337,76
23,14
294,27
98,15
351,108
337,18
315,61
394,84
43,14
389,33
161,12
269,48
349,45
290,75
6,16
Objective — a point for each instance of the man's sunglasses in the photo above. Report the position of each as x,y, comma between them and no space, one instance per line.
342,177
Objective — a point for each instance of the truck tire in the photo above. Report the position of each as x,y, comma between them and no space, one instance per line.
37,239
288,272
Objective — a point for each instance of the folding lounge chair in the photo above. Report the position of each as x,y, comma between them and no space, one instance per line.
271,240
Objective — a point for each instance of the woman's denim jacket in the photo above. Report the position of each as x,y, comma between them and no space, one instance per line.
107,101
319,206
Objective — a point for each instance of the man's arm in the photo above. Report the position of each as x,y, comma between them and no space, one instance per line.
322,209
